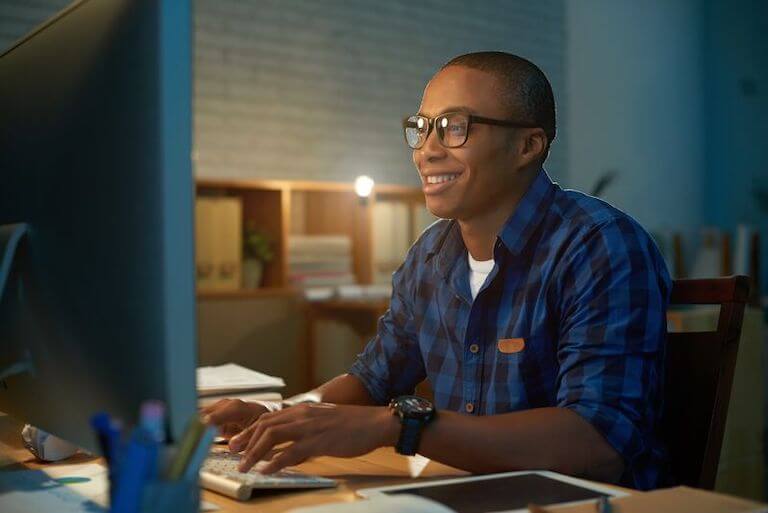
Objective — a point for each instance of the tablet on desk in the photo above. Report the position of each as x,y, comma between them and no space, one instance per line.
509,491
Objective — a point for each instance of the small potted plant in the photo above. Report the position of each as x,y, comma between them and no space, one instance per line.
256,252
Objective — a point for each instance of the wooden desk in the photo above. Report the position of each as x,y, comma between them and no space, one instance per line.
379,468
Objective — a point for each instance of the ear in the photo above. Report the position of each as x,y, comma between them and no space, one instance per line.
533,145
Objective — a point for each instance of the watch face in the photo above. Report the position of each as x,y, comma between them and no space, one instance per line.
414,406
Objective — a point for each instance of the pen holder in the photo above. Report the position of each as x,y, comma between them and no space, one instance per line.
181,496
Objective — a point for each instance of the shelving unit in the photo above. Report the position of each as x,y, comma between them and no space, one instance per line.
281,208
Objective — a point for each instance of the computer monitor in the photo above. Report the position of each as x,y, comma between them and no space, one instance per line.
98,308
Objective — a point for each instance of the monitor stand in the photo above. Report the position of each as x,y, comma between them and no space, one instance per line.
11,238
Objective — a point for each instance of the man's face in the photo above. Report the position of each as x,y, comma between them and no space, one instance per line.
475,177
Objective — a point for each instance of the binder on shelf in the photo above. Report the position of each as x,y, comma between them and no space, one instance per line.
204,236
391,239
229,243
218,243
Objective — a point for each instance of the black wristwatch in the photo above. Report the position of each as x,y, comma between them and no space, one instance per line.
415,412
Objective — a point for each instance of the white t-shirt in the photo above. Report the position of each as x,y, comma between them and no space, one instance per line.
478,272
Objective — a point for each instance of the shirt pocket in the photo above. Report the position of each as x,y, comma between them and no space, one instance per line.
529,366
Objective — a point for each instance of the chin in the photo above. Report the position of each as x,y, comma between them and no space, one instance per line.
439,209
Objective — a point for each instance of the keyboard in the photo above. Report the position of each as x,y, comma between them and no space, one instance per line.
219,474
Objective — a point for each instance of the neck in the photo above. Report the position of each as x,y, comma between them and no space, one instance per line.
479,232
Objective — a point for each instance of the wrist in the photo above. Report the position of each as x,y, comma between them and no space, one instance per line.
389,425
270,406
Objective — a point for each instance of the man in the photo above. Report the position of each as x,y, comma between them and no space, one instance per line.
537,314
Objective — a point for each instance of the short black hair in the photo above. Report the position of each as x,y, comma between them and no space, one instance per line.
527,91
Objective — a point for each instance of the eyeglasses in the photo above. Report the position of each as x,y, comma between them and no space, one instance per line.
452,128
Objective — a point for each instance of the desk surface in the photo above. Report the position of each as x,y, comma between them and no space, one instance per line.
379,468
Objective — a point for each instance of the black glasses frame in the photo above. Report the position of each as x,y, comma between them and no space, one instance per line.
471,118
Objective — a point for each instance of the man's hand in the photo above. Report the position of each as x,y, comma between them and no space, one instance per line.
314,429
232,415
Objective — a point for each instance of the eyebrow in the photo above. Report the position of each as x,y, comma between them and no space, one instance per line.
454,108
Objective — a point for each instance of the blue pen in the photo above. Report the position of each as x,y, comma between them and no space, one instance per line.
135,469
101,424
152,418
108,435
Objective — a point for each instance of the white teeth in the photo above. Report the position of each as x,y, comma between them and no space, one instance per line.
441,178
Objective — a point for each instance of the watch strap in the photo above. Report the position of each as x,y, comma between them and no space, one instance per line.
410,435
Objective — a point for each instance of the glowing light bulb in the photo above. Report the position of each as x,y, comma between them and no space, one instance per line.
363,186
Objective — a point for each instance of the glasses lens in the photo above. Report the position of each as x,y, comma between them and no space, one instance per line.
416,128
452,129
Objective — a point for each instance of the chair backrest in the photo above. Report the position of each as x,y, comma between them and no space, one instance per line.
699,374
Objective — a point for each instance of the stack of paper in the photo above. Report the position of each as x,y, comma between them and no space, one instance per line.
320,260
232,378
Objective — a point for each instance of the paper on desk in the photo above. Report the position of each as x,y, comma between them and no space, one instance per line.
94,485
231,377
212,398
417,464
22,491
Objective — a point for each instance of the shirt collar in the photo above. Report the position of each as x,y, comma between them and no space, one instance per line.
528,215
515,233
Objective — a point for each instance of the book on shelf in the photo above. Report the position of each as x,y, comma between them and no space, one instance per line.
422,219
342,265
320,261
218,243
319,245
391,238
204,235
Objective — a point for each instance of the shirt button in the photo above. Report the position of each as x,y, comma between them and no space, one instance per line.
469,407
474,348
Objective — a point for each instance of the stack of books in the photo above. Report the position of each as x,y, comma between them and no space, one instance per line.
320,262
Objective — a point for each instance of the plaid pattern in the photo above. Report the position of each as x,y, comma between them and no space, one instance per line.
585,287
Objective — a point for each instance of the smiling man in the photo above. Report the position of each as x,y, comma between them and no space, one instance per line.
537,314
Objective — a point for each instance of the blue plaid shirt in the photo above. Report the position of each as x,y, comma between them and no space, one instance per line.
579,281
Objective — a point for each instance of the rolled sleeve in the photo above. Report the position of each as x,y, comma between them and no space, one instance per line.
613,330
391,363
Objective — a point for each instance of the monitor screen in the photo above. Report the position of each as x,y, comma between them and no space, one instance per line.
98,311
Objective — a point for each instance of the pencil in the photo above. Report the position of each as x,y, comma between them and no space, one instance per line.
187,446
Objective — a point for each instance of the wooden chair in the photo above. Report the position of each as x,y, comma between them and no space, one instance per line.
699,374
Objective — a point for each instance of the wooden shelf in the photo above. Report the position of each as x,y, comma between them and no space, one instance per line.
280,208
264,292
378,304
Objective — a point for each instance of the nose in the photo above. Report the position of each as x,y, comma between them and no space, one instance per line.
432,149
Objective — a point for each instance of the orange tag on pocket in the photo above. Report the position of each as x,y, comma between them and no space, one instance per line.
511,345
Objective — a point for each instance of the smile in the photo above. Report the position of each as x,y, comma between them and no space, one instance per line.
441,178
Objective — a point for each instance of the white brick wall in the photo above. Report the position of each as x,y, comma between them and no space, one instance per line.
315,90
